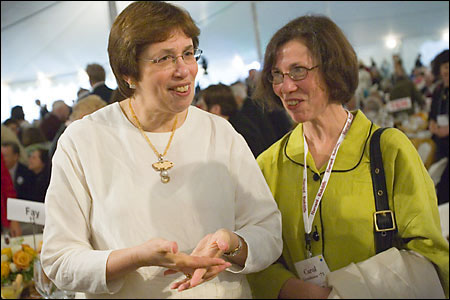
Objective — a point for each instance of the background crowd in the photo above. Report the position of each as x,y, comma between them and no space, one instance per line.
310,112
28,148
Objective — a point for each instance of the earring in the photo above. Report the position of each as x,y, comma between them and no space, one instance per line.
132,86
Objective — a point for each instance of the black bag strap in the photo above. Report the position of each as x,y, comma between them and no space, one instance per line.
384,221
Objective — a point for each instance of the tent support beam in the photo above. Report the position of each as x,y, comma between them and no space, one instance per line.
256,28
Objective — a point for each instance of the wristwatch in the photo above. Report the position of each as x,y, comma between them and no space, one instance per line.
235,251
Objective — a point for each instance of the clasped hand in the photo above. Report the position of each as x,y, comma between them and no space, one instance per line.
213,246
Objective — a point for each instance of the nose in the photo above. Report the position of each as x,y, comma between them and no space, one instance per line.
181,68
288,85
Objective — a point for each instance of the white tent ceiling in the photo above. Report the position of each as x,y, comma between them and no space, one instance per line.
58,38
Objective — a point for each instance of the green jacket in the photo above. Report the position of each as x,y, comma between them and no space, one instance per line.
345,216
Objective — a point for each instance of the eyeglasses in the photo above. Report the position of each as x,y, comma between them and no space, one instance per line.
189,57
296,73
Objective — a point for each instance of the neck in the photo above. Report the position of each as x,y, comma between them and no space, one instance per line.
152,120
328,126
38,170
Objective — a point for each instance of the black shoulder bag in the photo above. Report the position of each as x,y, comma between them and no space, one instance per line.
384,220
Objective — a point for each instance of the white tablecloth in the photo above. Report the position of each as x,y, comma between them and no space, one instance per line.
27,239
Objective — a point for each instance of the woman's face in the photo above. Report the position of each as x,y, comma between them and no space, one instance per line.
169,88
305,99
444,73
35,163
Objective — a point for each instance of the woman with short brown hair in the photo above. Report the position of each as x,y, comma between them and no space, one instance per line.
320,177
147,194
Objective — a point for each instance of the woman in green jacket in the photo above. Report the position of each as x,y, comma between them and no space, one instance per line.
328,208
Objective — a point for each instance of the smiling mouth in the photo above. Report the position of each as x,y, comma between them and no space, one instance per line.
292,102
181,89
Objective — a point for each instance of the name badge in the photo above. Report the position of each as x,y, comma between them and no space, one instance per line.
313,270
442,120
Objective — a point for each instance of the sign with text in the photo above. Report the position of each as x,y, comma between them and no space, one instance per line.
399,104
25,211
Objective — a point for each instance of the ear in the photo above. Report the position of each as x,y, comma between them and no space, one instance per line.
129,80
216,109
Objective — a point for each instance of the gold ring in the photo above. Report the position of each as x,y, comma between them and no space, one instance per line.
188,276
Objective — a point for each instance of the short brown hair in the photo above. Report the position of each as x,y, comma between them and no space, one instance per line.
140,24
222,95
330,49
96,73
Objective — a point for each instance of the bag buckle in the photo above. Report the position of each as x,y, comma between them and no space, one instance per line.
385,221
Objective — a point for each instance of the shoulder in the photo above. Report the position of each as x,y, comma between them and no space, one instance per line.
396,146
394,138
23,170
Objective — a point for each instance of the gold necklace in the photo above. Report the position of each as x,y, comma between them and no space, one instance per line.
162,166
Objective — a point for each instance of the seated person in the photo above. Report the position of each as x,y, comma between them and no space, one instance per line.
39,164
22,177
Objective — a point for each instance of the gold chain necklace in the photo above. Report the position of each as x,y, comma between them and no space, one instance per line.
161,165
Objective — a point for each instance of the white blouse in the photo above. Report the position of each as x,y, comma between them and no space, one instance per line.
104,195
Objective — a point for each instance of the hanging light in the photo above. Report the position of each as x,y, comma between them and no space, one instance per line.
43,81
445,35
391,42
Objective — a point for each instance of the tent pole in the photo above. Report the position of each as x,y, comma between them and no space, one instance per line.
256,28
112,12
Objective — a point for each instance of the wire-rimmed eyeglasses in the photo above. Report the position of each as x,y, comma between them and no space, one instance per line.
188,56
295,73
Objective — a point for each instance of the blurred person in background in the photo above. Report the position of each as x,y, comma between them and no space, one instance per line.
33,138
97,78
7,135
39,163
83,107
364,84
219,100
82,92
439,117
7,191
320,177
404,87
252,110
86,106
148,155
55,119
281,122
18,115
42,108
22,177
13,125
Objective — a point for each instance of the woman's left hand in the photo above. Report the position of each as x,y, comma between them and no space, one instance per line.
212,245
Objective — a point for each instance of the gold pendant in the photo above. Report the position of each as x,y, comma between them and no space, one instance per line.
162,165
164,179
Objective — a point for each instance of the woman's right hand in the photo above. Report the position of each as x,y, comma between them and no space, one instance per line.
157,252
163,253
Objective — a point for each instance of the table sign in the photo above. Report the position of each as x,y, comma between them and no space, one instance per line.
26,211
399,104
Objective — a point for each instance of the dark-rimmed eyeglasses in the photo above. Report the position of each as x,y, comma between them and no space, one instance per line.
296,73
189,57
